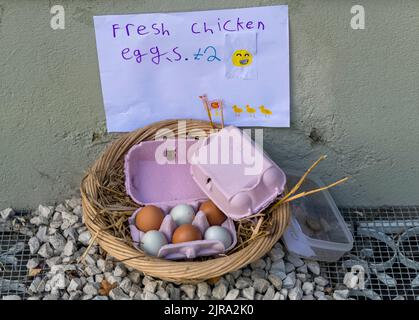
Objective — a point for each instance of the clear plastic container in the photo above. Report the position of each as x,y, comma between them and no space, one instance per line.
317,230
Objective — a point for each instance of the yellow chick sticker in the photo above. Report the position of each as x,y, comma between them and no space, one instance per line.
241,58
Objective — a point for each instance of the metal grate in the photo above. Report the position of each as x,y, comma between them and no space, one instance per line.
14,275
394,222
380,219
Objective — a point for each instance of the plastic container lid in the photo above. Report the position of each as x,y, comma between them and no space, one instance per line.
317,229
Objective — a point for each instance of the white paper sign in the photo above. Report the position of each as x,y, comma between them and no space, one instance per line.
156,66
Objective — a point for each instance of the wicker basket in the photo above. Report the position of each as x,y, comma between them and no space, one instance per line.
175,271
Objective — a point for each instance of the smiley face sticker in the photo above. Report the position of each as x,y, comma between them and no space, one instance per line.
241,58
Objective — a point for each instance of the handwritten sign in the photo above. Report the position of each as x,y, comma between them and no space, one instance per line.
155,66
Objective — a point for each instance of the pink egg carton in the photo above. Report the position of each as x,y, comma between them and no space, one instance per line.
166,185
239,187
236,174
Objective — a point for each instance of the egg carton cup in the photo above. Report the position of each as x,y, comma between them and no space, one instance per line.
185,250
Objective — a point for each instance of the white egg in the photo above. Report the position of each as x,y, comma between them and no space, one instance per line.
152,241
220,234
182,214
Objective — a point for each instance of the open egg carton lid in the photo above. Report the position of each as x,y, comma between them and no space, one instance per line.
235,173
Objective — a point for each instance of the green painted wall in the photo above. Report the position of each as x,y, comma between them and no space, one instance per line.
356,92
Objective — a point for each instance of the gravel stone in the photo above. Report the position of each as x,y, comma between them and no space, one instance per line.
276,254
59,281
276,281
37,285
45,251
61,208
56,220
91,289
70,234
69,220
268,263
73,202
261,285
174,292
246,272
296,261
51,297
135,277
277,296
162,294
289,267
135,289
295,293
278,266
53,261
84,238
248,293
230,279
151,286
203,290
45,212
341,294
258,274
74,285
104,265
120,271
319,294
118,294
321,281
100,298
258,264
32,263
270,293
313,266
69,248
58,242
75,295
126,285
220,291
309,297
281,275
302,277
242,283
289,281
38,220
232,294
149,296
34,245
302,269
92,270
236,274
258,296
7,213
308,288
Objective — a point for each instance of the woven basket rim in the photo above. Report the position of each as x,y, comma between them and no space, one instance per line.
175,271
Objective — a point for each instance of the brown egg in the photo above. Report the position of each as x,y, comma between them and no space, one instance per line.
149,218
186,232
214,215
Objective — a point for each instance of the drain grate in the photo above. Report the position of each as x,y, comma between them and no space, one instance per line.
395,221
396,275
